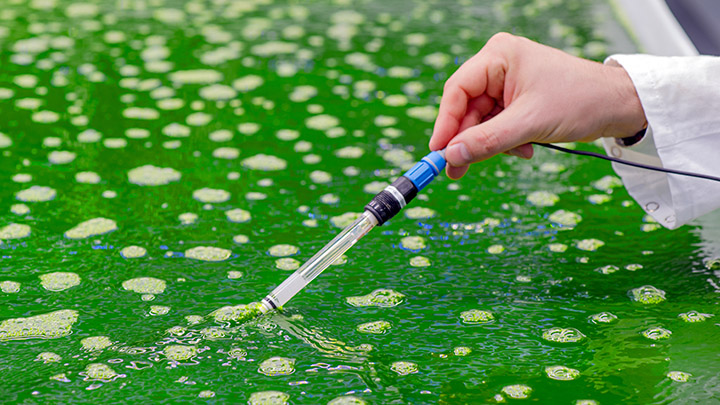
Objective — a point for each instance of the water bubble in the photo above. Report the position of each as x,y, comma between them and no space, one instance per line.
217,92
376,328
607,183
420,261
9,287
145,285
609,269
36,194
234,274
206,394
562,373
476,317
565,218
92,227
133,252
238,215
589,245
59,281
647,294
349,152
694,316
657,333
264,163
347,400
423,113
198,76
414,243
542,198
320,177
95,343
157,310
150,175
404,367
517,391
208,253
633,267
188,218
329,198
679,376
379,298
602,317
275,366
344,220
179,352
599,199
48,357
14,231
419,213
557,247
87,177
226,153
22,178
211,195
89,136
322,122
462,351
563,335
282,250
268,398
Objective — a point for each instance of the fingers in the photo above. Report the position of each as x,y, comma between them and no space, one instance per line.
467,83
508,130
456,172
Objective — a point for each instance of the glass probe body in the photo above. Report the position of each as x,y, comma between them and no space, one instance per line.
380,209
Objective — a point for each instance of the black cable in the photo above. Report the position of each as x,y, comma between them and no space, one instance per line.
627,162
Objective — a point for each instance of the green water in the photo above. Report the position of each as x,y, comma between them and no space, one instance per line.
488,305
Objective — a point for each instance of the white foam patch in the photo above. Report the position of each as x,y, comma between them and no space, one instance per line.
150,175
92,227
322,122
61,157
208,253
59,281
52,325
14,231
211,195
36,194
145,285
264,163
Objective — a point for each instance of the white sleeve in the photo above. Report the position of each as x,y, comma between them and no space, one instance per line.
681,99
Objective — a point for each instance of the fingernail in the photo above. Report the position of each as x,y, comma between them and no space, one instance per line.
458,154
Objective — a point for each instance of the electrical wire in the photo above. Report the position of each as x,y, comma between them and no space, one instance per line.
627,162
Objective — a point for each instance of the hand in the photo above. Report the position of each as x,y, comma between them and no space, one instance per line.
515,91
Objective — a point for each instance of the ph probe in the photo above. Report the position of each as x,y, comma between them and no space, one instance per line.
385,205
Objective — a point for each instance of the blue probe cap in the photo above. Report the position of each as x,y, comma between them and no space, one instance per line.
427,169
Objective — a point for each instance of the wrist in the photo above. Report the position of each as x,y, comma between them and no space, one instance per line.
629,116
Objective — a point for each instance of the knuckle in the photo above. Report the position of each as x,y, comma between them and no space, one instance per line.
489,142
501,39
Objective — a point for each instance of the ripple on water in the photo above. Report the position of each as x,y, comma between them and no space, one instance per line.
563,335
375,328
14,231
379,298
282,250
91,227
476,317
45,326
277,366
36,194
562,373
150,175
268,398
59,281
404,367
647,294
179,352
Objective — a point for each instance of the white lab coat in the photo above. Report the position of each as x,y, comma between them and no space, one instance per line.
681,99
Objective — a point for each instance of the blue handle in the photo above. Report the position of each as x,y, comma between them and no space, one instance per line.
427,169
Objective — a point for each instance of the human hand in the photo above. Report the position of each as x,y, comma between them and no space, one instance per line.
516,91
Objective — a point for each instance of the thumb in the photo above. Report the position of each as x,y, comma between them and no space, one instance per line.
505,131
